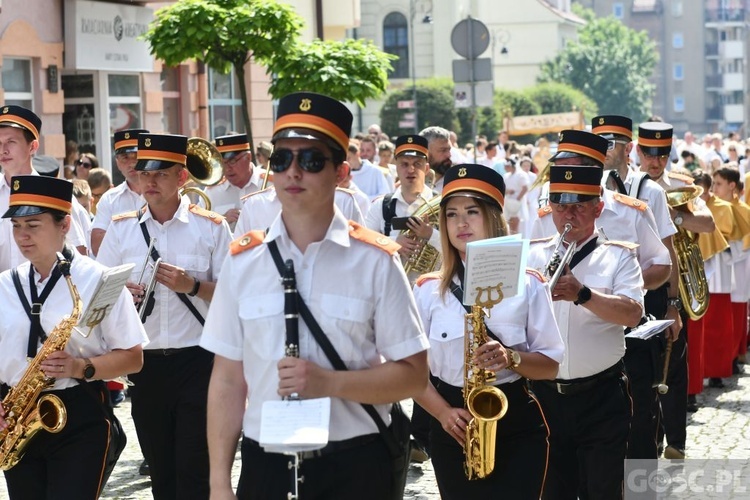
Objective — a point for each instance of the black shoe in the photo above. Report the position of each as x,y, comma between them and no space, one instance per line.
418,453
692,404
144,470
716,383
117,397
736,368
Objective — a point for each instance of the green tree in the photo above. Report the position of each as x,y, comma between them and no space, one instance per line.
610,63
553,97
434,103
226,34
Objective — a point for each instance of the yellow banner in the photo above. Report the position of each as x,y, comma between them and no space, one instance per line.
543,124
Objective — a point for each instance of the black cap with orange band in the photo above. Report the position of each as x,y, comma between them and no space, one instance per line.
36,194
577,183
411,145
126,141
160,151
306,115
232,145
20,117
474,181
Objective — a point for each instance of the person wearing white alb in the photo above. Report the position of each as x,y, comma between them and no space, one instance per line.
370,179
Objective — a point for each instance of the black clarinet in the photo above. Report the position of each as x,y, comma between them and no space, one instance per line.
291,310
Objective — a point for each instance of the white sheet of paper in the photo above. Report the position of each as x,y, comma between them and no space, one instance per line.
493,261
107,292
649,329
289,426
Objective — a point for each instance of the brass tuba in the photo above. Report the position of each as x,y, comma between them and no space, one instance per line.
693,283
427,259
486,403
204,164
25,412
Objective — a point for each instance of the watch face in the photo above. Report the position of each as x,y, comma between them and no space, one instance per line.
89,371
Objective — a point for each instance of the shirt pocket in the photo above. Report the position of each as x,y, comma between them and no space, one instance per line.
196,265
262,318
351,330
446,345
599,283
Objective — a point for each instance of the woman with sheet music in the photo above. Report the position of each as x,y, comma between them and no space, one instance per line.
71,462
523,342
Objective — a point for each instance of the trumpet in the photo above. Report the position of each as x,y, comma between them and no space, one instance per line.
146,305
556,266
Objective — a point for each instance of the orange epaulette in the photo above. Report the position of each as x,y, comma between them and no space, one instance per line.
435,275
533,272
249,240
125,215
680,177
541,240
545,210
630,201
373,238
212,216
619,243
254,193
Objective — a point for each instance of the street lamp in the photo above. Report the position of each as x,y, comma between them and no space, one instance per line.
426,8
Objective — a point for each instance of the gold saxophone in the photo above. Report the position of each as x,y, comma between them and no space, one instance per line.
692,275
486,403
25,412
427,258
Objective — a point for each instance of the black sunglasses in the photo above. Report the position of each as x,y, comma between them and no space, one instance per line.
310,160
83,164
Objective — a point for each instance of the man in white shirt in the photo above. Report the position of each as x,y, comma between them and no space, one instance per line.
438,153
368,177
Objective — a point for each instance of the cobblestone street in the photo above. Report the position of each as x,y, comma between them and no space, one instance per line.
718,430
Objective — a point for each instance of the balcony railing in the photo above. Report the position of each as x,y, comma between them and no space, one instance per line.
724,15
712,49
714,81
714,113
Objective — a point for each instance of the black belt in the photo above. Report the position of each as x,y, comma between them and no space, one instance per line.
163,353
329,449
583,384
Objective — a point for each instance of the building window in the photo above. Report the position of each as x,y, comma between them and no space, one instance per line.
79,118
396,42
224,104
618,10
17,82
678,71
124,102
170,88
677,41
677,8
679,104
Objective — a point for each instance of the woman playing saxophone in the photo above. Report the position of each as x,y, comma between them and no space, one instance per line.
65,461
528,345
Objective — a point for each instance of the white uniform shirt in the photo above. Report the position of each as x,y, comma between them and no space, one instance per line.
261,208
654,195
10,255
374,219
363,201
620,222
592,344
117,200
525,323
358,294
370,180
225,195
192,242
120,329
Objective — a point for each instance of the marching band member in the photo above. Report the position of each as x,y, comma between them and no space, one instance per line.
40,214
371,320
126,196
19,142
588,406
528,346
169,394
240,177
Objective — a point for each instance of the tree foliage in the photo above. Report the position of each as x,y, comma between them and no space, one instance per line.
610,63
352,70
553,97
225,34
434,104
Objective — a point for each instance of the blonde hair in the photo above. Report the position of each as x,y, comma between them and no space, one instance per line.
495,225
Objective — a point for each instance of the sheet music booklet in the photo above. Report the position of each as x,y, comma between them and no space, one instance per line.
106,294
495,261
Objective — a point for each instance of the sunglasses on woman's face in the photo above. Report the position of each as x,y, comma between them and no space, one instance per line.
84,164
309,159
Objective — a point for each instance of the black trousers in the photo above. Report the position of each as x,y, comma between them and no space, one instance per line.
674,402
67,465
521,450
420,421
588,437
169,399
364,472
642,363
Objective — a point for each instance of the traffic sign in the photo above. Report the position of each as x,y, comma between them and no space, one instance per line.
470,38
406,124
405,104
462,70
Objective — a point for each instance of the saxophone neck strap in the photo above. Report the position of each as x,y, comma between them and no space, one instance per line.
330,351
155,256
34,310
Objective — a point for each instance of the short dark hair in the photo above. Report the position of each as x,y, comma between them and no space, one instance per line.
729,175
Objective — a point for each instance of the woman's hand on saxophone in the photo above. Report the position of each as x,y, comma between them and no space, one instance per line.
492,356
454,422
60,364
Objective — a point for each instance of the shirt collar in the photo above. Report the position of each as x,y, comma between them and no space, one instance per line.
181,214
338,230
